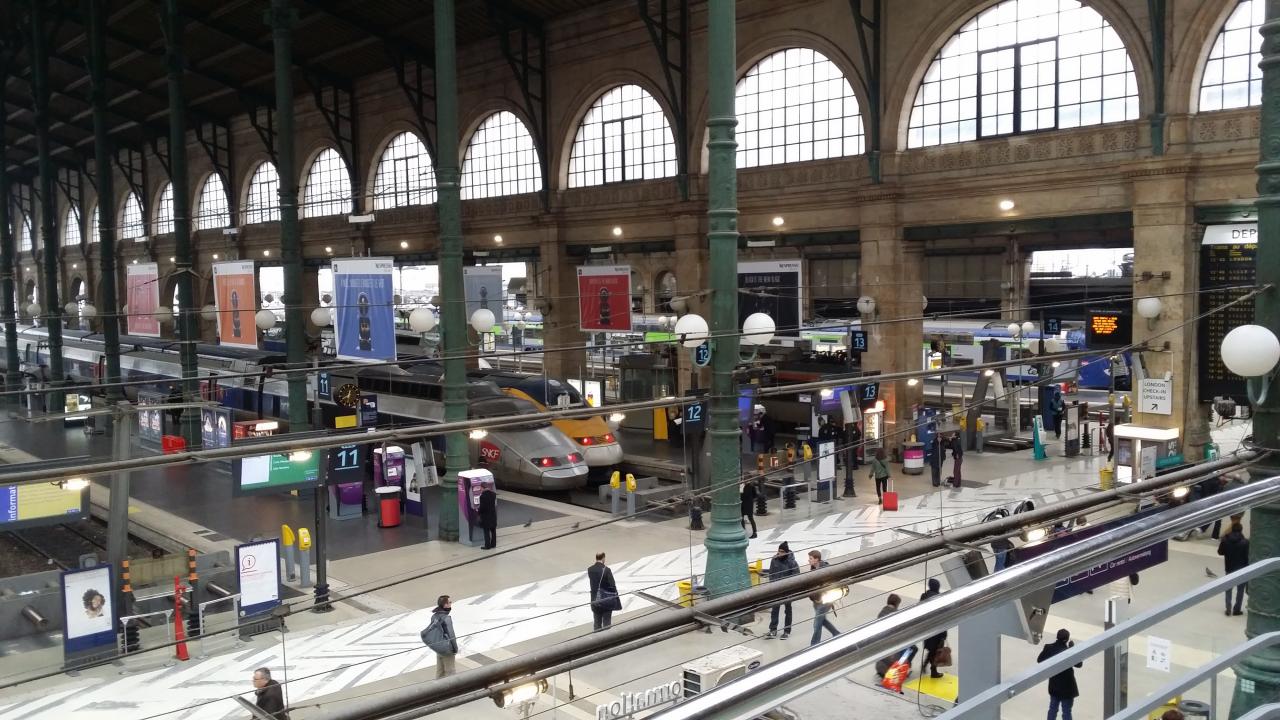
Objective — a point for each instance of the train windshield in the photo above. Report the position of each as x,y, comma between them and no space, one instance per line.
551,392
506,406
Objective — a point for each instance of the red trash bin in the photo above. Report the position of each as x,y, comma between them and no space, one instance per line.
389,506
172,444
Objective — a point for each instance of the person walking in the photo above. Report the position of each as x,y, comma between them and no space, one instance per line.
820,609
604,594
783,565
891,605
933,643
748,495
440,638
880,474
269,696
1059,409
1062,687
488,515
957,457
1234,549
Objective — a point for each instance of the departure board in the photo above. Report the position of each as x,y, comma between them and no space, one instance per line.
1107,328
1224,263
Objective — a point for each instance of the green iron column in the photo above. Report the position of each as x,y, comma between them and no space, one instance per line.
1258,677
726,540
187,320
102,150
453,326
12,378
282,19
48,200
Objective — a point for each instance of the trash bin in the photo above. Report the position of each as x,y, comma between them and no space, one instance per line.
1106,478
172,444
389,506
913,458
1195,709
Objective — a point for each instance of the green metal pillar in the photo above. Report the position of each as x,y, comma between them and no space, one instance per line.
726,540
187,320
102,151
48,200
12,378
453,326
282,19
1156,9
1258,677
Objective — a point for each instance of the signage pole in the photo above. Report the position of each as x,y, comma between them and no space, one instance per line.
118,506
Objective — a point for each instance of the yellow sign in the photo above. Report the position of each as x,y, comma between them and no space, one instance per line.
344,421
304,539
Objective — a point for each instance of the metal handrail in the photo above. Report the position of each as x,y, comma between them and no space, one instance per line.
993,697
1210,670
790,677
1266,712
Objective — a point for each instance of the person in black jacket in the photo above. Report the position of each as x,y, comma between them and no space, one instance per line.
604,594
749,494
933,643
270,696
487,513
1062,687
1234,549
783,565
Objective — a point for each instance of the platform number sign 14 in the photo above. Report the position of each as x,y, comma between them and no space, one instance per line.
702,355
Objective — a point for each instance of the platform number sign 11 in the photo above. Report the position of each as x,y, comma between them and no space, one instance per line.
702,355
858,341
324,386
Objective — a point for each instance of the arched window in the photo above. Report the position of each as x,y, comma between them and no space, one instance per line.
263,201
665,291
328,187
25,233
71,228
405,174
95,224
213,210
501,159
796,105
131,227
1231,76
624,136
1020,66
164,211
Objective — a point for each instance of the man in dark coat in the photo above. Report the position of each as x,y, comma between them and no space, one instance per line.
487,514
957,456
783,565
1062,687
748,496
604,594
270,696
934,643
1234,549
934,450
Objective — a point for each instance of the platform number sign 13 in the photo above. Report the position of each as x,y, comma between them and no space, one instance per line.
871,392
702,355
858,341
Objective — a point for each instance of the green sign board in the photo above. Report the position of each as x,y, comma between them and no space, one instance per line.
277,472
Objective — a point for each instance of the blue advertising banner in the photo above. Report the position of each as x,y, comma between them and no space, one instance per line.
1104,572
90,613
364,316
215,427
368,411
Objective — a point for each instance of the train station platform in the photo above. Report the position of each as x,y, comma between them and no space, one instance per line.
533,592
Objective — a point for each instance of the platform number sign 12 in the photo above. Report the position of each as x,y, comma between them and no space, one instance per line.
702,355
858,341
693,414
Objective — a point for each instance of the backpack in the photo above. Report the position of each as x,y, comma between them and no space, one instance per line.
436,636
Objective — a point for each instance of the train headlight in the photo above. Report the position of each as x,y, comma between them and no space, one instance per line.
585,440
575,457
544,462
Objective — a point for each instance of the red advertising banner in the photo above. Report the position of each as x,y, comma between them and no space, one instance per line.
604,298
235,298
142,296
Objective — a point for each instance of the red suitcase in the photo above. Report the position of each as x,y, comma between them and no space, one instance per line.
890,500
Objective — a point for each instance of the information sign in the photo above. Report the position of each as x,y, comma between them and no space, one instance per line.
1107,329
258,567
702,355
89,611
150,420
1105,571
1052,326
33,504
1155,396
858,341
276,472
1226,261
324,386
771,287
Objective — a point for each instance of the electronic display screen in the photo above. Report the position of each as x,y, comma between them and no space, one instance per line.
1108,329
277,472
1226,273
40,504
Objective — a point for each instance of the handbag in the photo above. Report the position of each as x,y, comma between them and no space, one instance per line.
606,600
942,656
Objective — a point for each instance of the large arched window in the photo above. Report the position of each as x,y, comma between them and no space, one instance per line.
95,224
1021,66
71,228
164,211
624,136
1231,76
796,105
262,204
25,234
405,174
131,226
501,159
328,187
213,210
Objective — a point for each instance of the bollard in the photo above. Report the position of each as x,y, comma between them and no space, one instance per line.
193,612
789,498
132,637
615,484
286,551
762,502
695,517
179,633
304,556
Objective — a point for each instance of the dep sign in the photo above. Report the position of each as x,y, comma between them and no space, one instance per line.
1155,396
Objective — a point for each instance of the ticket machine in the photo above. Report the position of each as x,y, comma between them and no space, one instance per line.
470,484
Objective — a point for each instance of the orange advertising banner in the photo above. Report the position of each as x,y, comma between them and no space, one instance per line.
235,297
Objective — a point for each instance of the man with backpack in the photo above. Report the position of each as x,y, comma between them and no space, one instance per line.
440,638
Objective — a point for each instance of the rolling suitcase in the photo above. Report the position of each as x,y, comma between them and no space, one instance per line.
890,502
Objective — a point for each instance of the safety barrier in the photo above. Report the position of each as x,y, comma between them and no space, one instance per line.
202,608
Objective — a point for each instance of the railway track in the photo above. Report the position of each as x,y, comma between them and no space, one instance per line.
39,549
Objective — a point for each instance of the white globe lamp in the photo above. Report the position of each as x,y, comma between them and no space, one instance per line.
163,314
422,320
1250,351
866,305
924,303
321,317
88,311
209,313
71,308
692,329
34,310
758,329
1028,327
1015,330
483,320
1149,307
264,319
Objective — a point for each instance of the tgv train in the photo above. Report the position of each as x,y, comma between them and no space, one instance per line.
537,457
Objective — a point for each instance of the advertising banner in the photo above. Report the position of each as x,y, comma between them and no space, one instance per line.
364,316
604,298
142,296
1104,572
482,286
771,287
235,297
150,421
86,602
259,571
215,427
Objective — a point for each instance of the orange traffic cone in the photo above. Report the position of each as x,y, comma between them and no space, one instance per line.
179,629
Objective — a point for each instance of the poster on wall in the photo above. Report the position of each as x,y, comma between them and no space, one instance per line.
86,602
482,286
771,287
215,427
364,318
604,298
234,296
258,568
142,297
